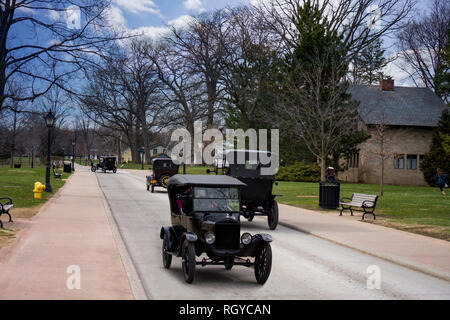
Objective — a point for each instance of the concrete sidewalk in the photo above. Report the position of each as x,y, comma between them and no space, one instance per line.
425,254
72,229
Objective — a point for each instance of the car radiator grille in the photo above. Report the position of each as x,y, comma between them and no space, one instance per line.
227,234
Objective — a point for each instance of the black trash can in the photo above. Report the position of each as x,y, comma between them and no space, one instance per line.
67,166
329,195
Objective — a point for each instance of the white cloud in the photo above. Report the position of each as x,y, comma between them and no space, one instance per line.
151,32
53,15
181,21
115,17
194,5
139,6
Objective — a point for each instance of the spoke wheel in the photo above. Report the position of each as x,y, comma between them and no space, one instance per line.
263,263
188,264
164,181
272,218
166,257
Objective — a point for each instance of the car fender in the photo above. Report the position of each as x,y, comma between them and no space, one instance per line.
266,237
189,236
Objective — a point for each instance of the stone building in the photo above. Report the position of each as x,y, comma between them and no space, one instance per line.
400,121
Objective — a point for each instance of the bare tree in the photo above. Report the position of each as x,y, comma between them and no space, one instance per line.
38,63
247,69
421,45
182,91
124,96
202,47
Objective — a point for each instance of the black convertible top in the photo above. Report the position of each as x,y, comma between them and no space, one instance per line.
161,159
204,180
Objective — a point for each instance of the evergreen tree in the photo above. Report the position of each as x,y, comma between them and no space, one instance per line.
317,107
369,63
438,156
442,77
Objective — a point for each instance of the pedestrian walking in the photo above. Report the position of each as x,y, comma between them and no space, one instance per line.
441,179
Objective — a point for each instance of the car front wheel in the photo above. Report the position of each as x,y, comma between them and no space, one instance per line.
263,263
166,257
188,264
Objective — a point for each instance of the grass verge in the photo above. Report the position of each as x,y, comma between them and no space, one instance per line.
18,184
420,210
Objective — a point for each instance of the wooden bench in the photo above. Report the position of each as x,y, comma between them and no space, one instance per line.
5,206
360,200
57,174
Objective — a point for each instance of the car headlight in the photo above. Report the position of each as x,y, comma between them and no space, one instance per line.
210,237
246,238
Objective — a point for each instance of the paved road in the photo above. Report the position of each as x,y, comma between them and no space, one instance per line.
304,267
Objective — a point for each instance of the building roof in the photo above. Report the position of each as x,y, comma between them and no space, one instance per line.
405,106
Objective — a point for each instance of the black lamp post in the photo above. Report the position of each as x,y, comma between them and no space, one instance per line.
73,154
49,121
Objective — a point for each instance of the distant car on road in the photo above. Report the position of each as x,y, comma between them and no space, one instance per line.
205,215
105,164
163,169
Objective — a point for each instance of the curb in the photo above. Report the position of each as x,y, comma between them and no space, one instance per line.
401,262
134,280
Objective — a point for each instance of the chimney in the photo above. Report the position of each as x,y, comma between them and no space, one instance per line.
387,84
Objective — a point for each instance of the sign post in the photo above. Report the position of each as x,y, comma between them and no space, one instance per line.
141,151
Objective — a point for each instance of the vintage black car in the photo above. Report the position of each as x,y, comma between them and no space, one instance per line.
163,169
257,198
105,164
205,221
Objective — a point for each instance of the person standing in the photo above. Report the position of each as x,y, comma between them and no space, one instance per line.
441,179
331,175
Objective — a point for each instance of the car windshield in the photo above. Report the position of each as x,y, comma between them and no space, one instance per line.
216,199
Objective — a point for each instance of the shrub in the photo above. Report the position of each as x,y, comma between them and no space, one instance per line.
299,172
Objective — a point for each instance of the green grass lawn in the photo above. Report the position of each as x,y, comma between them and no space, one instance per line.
418,209
18,184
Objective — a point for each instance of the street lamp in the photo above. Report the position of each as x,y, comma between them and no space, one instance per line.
50,122
73,154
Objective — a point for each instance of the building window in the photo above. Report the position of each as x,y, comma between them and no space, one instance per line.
421,156
399,162
353,161
411,161
155,151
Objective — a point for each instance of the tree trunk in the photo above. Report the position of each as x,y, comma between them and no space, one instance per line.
322,169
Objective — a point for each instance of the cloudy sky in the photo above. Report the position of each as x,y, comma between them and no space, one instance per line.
150,16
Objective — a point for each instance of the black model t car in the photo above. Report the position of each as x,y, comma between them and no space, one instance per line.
105,164
163,169
205,221
256,197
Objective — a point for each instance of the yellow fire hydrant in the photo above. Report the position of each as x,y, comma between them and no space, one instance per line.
38,189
